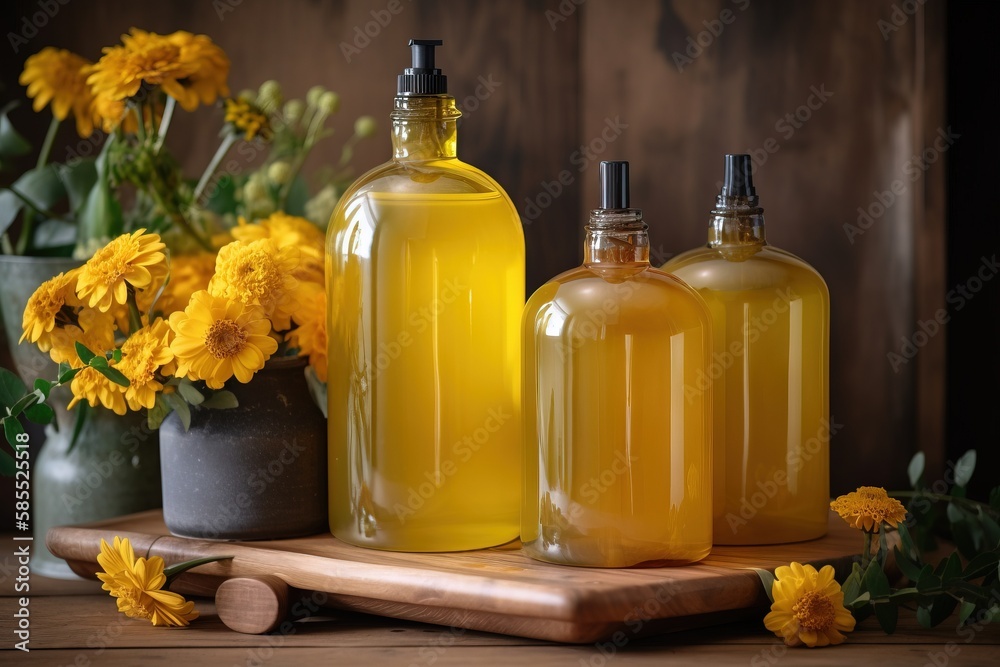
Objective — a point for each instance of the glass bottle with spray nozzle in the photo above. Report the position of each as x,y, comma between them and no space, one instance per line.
425,277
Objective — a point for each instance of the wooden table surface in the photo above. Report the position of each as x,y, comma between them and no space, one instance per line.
75,623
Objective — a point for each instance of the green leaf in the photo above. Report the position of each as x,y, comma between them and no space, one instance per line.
317,389
53,237
963,534
924,616
11,429
189,393
887,615
173,571
952,569
35,189
927,579
298,195
84,354
995,498
916,469
222,196
942,608
182,409
40,413
7,465
991,530
909,568
82,410
112,374
78,180
44,386
981,565
860,602
65,373
767,580
98,362
158,413
12,144
221,400
875,581
965,611
101,215
11,388
954,513
902,595
22,403
117,354
852,585
964,468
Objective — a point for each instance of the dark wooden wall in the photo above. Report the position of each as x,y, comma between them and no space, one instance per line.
569,73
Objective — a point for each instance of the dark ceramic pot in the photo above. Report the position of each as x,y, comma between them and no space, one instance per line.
254,472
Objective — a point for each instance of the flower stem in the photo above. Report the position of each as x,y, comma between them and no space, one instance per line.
224,147
134,317
866,552
168,114
50,137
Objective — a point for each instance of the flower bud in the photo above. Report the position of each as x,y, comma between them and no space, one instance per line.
279,172
312,97
329,102
365,127
293,110
269,96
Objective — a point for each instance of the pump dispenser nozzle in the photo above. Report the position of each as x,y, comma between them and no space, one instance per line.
422,78
738,179
614,184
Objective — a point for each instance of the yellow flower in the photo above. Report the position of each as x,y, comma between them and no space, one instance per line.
808,607
868,508
96,330
188,274
144,353
59,76
109,113
310,335
91,386
216,338
259,273
289,231
248,119
137,583
46,309
189,68
135,259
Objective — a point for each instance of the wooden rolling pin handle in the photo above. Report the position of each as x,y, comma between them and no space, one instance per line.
252,605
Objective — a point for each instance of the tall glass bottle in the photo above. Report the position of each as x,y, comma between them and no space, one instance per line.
425,276
617,457
770,373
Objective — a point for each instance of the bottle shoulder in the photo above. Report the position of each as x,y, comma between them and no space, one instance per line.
425,177
715,269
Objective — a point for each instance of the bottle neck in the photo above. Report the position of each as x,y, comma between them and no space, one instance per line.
424,127
736,221
616,237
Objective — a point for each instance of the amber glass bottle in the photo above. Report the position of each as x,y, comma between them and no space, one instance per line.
770,373
617,458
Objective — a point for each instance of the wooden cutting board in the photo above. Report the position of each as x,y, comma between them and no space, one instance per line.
495,590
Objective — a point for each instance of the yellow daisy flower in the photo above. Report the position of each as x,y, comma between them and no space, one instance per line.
216,338
259,273
868,508
808,607
96,330
144,353
46,309
209,68
60,77
91,386
138,583
188,274
247,119
135,259
289,231
310,335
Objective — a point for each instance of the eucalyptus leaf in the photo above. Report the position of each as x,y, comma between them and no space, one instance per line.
11,388
924,616
942,608
875,581
40,413
964,468
887,615
221,400
182,409
916,469
861,601
767,580
909,569
965,611
158,413
981,565
189,393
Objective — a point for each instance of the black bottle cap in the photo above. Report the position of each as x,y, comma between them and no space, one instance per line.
422,78
738,181
614,184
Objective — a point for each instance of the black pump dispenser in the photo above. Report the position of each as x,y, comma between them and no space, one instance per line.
614,184
422,78
737,183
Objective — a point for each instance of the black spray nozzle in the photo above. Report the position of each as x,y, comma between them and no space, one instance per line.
738,181
614,184
422,78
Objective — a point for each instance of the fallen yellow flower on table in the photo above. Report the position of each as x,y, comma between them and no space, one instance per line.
868,508
137,584
808,607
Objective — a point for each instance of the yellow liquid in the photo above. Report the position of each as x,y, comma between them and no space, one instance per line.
617,460
426,292
770,375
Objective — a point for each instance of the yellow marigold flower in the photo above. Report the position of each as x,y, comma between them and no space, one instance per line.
188,274
60,77
808,607
262,274
137,583
868,508
46,309
310,335
96,330
247,119
209,69
216,338
144,353
91,386
289,231
135,259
